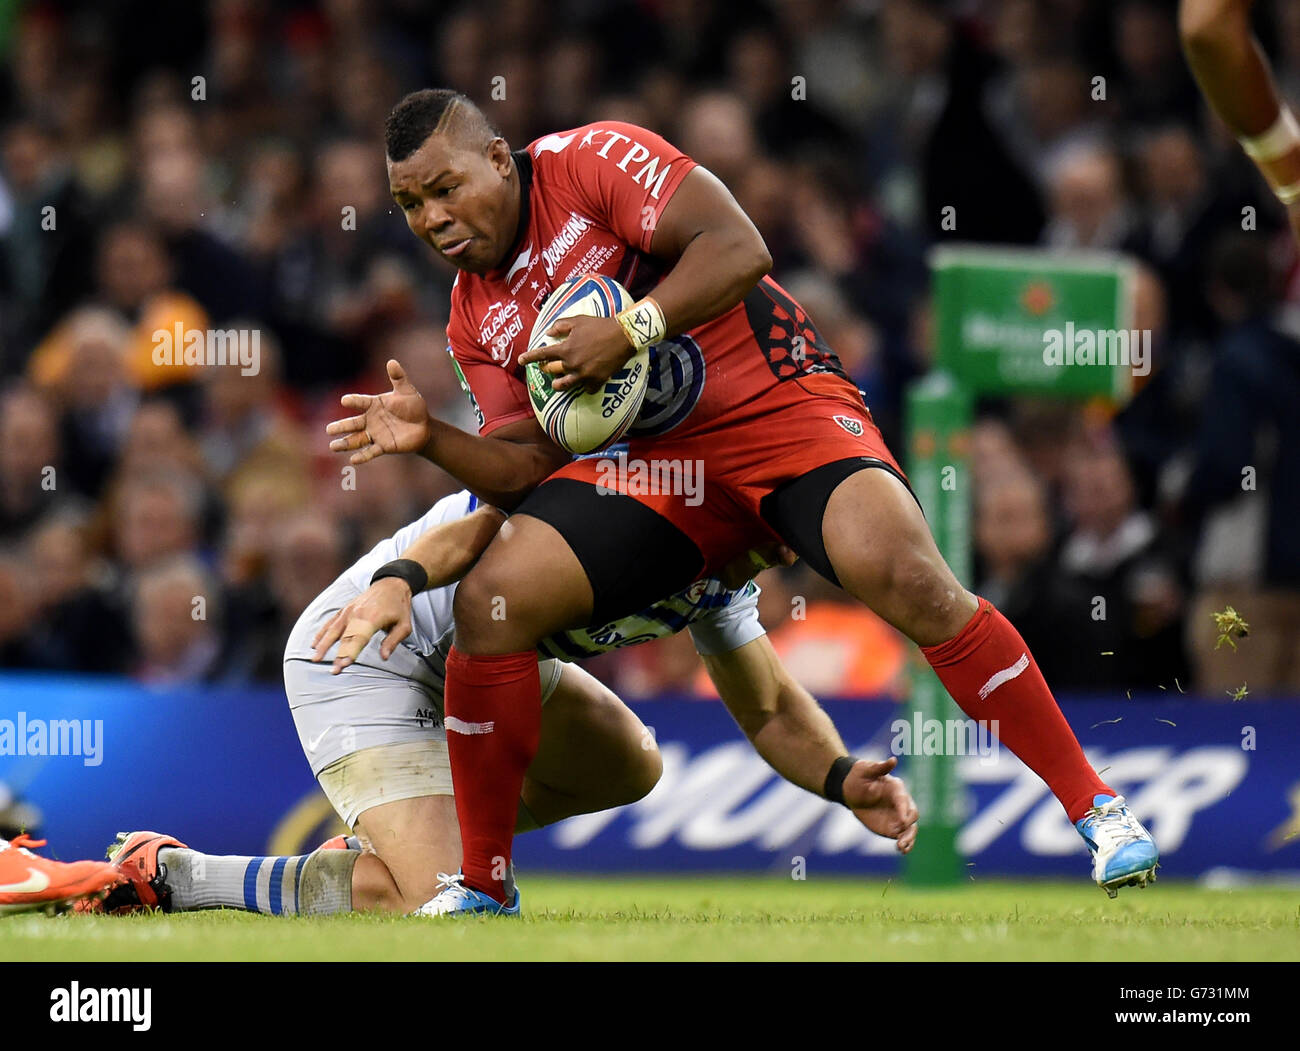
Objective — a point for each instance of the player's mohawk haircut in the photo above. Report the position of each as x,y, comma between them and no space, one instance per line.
433,111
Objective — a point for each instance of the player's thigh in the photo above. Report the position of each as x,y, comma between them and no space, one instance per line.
527,585
374,738
593,747
631,554
882,552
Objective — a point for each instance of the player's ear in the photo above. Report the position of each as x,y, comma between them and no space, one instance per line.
499,156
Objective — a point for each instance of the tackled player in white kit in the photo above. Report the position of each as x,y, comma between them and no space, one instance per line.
371,725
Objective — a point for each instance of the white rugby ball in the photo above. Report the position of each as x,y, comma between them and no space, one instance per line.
574,419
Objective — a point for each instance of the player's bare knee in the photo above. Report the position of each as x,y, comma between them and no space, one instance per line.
935,606
482,611
644,769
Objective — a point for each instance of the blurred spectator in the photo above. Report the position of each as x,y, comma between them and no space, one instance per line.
173,613
29,460
971,185
1088,207
1243,493
156,517
134,279
1113,551
77,625
98,396
15,611
45,237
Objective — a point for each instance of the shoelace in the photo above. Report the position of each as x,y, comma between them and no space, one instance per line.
23,841
1114,823
449,882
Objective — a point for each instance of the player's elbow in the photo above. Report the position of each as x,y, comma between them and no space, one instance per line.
760,262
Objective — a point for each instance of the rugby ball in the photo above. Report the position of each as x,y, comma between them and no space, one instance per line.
574,419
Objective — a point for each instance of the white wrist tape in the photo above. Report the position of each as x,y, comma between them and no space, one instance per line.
1278,141
644,323
1288,195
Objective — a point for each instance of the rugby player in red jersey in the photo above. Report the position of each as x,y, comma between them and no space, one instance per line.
742,385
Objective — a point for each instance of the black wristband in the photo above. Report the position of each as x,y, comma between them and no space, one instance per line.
834,787
404,569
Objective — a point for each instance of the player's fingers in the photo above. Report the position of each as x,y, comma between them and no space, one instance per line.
537,354
396,634
359,402
351,425
554,368
365,455
397,376
350,441
355,639
329,634
560,329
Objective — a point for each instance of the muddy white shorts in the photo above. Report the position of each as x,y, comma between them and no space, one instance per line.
373,733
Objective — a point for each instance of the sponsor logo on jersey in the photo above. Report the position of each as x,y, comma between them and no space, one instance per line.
500,325
552,144
523,261
569,235
626,153
854,427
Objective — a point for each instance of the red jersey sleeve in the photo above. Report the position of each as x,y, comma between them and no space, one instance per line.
497,394
624,175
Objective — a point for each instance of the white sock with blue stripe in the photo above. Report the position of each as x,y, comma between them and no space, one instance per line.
315,884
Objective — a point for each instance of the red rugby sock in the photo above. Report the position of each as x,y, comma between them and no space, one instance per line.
493,718
988,670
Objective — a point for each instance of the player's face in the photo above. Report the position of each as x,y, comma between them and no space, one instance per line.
461,202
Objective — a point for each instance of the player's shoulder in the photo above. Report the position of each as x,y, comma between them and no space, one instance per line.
589,144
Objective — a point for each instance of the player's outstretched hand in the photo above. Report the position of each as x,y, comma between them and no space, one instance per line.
384,606
881,801
591,350
397,422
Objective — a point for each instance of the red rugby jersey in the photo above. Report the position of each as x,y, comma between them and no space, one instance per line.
591,199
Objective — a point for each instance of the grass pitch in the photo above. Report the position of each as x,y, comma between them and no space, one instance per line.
720,919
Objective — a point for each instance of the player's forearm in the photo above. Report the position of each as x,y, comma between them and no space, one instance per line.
1233,73
1228,64
448,550
717,269
781,719
498,472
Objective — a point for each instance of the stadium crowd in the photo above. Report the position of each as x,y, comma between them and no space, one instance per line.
220,166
